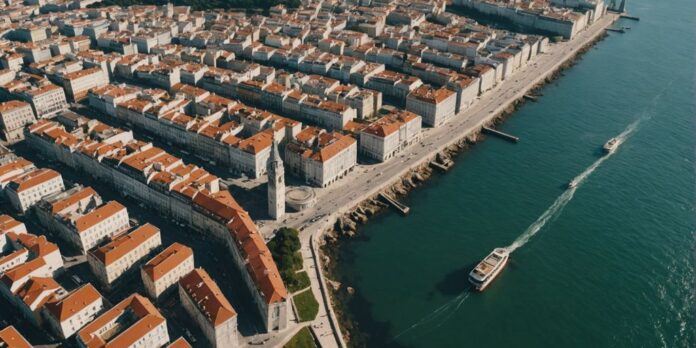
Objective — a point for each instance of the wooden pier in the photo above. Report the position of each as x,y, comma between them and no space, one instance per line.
396,204
499,134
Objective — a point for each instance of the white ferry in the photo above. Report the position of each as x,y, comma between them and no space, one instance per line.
611,145
489,268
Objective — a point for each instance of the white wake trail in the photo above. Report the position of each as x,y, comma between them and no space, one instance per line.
560,203
443,310
563,199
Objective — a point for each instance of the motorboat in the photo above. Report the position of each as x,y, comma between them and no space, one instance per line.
489,268
611,145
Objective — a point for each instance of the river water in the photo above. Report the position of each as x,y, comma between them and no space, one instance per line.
609,263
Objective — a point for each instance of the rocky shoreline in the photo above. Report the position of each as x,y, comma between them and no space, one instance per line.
347,226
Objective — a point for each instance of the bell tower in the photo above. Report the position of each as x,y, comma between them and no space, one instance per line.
276,184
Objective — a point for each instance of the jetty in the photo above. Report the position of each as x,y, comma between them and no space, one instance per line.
627,16
499,134
615,30
403,209
443,167
531,97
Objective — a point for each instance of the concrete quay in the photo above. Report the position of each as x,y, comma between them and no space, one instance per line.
366,181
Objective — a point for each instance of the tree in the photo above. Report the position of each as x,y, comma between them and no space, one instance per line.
285,248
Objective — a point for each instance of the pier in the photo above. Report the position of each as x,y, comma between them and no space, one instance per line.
633,18
615,30
443,167
531,97
499,134
396,204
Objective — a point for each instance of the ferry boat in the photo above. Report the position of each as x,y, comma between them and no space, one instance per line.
489,268
611,145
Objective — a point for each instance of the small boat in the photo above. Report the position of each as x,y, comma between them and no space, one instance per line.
611,145
572,183
489,268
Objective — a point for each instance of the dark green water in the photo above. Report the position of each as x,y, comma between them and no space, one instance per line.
613,267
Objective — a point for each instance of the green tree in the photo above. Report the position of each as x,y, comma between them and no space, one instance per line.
285,248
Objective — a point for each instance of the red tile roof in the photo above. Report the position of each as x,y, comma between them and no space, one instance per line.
205,293
167,260
119,247
11,338
76,301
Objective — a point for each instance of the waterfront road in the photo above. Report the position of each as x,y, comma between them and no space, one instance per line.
365,181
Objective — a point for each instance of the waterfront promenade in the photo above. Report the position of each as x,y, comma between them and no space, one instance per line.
367,180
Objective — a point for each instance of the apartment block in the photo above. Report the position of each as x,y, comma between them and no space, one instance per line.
204,302
321,158
89,227
67,315
112,260
77,84
27,189
14,115
435,106
163,271
133,322
32,296
386,137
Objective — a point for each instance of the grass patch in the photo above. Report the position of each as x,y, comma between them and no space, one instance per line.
302,339
301,281
306,305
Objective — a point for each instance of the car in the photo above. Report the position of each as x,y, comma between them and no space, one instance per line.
189,336
76,279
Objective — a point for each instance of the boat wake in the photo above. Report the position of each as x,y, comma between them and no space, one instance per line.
557,207
440,315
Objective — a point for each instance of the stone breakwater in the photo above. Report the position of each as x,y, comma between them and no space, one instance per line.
347,225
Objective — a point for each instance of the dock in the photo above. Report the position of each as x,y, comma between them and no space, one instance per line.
442,166
396,204
531,97
615,30
499,134
633,18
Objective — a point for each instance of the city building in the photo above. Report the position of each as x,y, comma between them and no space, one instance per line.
27,189
90,226
435,106
204,302
163,271
12,169
321,158
112,260
32,296
77,84
133,322
11,338
386,137
66,315
14,115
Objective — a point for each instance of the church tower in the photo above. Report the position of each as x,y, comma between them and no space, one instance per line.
276,184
